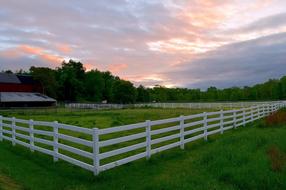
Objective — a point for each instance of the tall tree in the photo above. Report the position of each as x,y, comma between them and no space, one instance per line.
71,76
94,86
47,77
143,94
124,92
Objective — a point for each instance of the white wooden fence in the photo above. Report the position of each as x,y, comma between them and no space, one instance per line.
205,105
191,105
98,150
97,106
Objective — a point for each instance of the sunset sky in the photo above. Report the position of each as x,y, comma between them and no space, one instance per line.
184,43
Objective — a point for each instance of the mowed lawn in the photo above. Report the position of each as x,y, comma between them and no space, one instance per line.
249,157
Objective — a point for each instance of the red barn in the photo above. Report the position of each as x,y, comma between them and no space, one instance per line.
22,90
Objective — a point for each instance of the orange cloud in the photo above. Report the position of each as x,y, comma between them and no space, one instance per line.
204,13
23,50
64,48
51,58
10,53
30,49
117,68
89,66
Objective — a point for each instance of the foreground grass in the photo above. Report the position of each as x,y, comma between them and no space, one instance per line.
239,159
99,118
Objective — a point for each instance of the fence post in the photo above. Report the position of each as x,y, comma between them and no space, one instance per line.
56,141
182,131
244,117
221,122
1,128
148,139
205,127
13,131
234,119
31,127
95,139
251,112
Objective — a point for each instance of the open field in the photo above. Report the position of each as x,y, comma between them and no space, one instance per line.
93,118
99,118
245,158
239,159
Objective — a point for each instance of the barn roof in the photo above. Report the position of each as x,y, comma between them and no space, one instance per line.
9,78
26,79
24,97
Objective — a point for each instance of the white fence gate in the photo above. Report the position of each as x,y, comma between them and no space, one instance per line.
98,150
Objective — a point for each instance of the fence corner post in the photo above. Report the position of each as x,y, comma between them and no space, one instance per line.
56,140
31,130
221,122
205,126
148,139
182,132
13,131
1,128
95,146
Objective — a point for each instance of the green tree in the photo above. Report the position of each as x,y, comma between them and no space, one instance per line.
47,78
124,92
71,77
94,86
143,94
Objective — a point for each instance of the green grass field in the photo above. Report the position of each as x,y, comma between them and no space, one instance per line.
99,119
246,158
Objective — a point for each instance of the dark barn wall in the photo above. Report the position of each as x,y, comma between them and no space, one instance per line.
20,88
26,104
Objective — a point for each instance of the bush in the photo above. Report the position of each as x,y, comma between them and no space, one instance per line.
276,119
277,158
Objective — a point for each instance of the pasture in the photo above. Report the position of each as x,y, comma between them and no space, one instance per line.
99,118
239,159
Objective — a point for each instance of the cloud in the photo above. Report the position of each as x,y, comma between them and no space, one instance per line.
138,40
239,64
30,51
117,68
267,23
64,48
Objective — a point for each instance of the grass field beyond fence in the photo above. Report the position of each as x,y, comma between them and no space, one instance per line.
240,159
102,149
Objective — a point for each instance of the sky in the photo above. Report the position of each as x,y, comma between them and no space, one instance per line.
175,43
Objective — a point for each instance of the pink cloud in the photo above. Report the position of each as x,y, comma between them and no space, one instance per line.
27,50
140,38
64,48
117,67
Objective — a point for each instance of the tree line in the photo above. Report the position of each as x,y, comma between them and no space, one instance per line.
72,83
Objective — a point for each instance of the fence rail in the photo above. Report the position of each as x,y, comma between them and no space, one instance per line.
98,150
205,105
193,105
